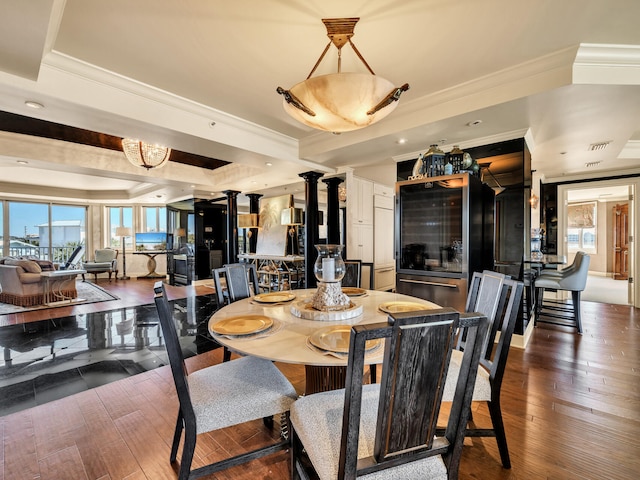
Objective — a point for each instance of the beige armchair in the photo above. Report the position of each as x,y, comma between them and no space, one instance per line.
105,260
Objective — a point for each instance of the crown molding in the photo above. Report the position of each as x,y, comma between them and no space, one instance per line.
529,78
82,83
488,140
630,150
607,64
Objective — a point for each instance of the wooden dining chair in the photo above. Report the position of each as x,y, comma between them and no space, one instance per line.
220,396
241,281
498,297
353,271
389,429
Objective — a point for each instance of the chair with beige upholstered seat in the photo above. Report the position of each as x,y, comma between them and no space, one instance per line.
498,297
220,396
105,260
388,430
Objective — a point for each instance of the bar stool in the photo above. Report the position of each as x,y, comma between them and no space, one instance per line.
573,279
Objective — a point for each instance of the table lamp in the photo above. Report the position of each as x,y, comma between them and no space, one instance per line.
248,221
292,217
123,232
178,233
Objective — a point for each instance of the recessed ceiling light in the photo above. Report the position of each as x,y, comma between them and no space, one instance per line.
474,123
401,141
268,164
212,124
33,104
23,162
192,186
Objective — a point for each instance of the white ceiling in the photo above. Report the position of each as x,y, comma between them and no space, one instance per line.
201,77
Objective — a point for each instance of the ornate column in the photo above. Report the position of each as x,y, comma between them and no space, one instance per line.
333,210
232,225
254,207
311,231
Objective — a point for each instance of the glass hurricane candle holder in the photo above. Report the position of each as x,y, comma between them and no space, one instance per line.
329,266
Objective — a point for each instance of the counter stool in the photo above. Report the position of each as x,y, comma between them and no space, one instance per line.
573,279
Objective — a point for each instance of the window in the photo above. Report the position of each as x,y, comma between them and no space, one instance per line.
582,227
155,219
47,231
119,217
2,229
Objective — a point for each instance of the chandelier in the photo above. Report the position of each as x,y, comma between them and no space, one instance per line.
145,155
341,102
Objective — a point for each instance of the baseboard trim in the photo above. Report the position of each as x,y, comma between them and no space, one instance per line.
521,341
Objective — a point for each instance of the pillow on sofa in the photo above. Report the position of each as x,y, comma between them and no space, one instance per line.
27,265
45,265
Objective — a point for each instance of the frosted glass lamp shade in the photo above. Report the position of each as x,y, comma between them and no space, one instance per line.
341,101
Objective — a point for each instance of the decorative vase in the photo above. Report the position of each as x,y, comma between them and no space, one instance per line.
455,156
329,269
536,243
329,266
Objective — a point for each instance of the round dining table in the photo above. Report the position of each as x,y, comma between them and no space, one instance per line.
287,339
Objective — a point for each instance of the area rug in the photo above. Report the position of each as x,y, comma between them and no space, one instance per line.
87,293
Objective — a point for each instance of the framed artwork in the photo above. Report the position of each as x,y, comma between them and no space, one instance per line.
581,215
272,237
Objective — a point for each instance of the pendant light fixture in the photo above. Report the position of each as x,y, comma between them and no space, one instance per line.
145,155
342,101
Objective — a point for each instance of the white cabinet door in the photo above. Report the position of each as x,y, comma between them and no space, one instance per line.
363,211
360,242
384,255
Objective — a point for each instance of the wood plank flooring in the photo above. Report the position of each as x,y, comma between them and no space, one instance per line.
571,406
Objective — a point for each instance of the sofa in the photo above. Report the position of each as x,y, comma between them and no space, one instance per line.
21,282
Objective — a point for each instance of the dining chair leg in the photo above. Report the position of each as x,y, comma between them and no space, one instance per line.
268,422
575,296
295,454
176,437
498,427
226,354
188,450
538,296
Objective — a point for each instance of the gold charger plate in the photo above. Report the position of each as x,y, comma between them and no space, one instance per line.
274,297
353,291
336,339
242,325
396,307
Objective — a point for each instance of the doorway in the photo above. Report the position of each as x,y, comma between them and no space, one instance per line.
597,217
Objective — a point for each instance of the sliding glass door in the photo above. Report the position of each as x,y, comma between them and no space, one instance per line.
43,230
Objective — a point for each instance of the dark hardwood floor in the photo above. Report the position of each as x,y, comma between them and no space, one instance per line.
571,409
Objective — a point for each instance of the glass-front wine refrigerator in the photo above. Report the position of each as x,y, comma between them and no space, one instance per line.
444,232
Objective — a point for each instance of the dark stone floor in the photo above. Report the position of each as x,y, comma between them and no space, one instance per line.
51,359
